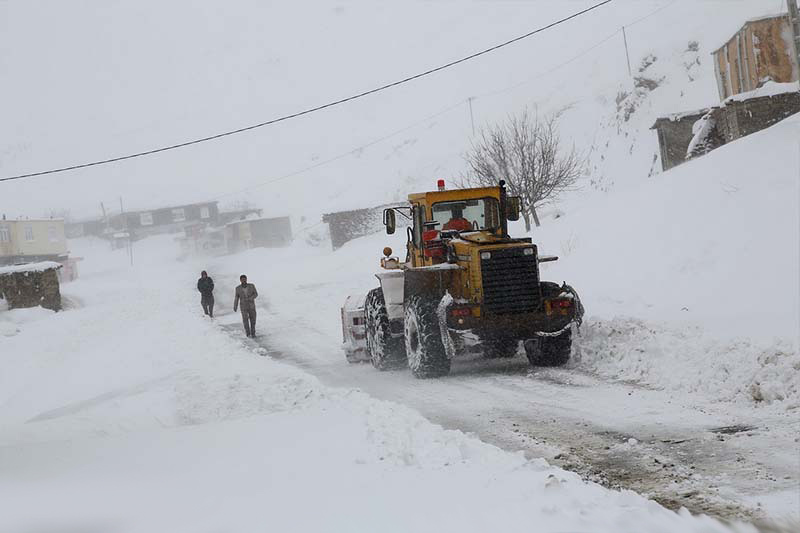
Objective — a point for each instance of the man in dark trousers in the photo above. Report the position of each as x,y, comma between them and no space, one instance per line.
246,295
206,287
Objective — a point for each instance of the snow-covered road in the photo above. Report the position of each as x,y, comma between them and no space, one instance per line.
723,461
728,459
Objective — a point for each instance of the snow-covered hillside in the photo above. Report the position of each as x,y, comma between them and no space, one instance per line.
248,63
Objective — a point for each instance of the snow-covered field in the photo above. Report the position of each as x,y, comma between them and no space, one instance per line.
130,411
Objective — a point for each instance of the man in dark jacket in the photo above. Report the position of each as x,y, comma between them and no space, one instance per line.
206,287
245,298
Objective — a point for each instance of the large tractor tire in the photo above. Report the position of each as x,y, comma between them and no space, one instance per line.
427,357
499,348
385,352
549,351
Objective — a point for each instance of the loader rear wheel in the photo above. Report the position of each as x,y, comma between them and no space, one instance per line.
427,357
500,348
385,352
549,351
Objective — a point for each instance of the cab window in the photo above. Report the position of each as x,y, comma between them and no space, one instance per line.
467,215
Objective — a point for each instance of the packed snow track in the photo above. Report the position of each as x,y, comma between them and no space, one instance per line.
712,461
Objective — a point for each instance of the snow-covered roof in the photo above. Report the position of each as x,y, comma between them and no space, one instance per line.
672,117
770,88
30,267
251,218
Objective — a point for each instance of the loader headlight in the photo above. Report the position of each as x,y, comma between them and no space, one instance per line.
486,255
528,251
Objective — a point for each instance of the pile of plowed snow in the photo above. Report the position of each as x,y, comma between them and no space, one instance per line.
690,279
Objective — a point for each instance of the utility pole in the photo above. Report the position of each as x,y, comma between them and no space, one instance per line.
127,230
627,55
471,116
794,23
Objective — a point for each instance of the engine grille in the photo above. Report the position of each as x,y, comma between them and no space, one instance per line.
511,282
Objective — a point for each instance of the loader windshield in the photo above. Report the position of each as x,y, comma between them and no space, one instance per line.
467,215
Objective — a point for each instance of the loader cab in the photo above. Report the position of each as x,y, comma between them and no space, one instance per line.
438,216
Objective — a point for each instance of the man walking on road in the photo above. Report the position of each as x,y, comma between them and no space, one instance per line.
206,287
246,295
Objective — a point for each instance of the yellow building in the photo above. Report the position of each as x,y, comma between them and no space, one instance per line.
29,240
760,51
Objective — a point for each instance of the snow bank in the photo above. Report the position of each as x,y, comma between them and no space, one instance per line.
712,244
684,360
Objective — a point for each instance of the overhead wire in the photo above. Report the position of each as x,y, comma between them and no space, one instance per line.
312,109
342,155
362,147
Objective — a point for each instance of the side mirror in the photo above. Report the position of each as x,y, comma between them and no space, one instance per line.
389,220
513,206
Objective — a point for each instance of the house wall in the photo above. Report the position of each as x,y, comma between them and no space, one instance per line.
674,137
33,239
271,232
263,232
758,51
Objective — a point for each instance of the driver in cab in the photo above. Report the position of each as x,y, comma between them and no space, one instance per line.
457,221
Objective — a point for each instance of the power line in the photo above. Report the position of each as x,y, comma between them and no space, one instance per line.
345,154
312,109
469,100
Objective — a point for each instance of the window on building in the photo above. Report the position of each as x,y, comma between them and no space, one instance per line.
5,234
52,234
28,233
178,215
205,212
146,219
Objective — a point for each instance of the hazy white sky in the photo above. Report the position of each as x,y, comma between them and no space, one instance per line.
90,79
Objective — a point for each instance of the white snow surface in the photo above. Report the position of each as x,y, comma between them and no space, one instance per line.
132,412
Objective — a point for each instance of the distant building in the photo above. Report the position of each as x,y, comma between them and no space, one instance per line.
760,51
32,240
173,219
94,227
239,214
345,226
258,233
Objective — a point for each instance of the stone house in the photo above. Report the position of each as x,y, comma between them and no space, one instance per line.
760,51
345,226
674,135
686,135
32,240
31,285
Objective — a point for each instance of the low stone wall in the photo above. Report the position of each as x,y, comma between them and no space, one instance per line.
31,289
730,121
738,119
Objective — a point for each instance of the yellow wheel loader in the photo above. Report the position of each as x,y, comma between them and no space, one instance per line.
465,285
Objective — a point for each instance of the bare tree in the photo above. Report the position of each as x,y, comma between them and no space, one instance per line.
526,151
